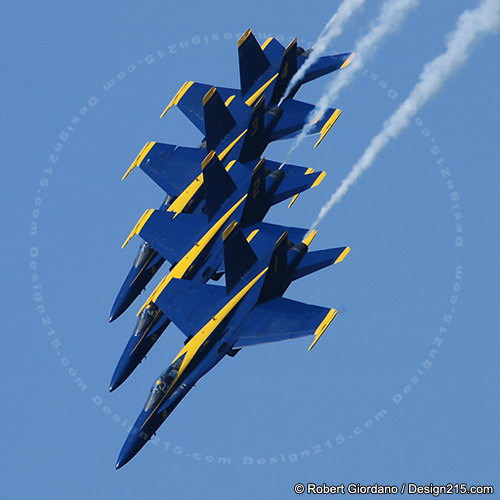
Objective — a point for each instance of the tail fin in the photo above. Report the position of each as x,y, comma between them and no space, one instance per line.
218,184
254,142
314,261
218,119
253,61
256,194
288,68
275,276
238,255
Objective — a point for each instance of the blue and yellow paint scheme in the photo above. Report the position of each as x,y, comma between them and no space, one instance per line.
218,320
192,244
237,125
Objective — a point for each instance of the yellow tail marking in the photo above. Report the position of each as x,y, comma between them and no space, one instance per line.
327,126
323,326
347,61
177,97
252,235
183,265
293,200
229,229
266,43
229,100
191,348
139,158
343,255
140,224
231,146
185,197
309,237
243,37
251,100
208,95
208,159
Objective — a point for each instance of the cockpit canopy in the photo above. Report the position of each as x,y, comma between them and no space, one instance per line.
144,254
163,384
147,317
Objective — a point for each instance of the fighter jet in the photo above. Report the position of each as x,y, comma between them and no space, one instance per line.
218,321
192,244
174,168
265,72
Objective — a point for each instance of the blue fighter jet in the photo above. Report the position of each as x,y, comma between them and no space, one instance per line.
192,244
218,321
237,124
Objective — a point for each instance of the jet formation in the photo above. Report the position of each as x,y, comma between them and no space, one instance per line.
211,225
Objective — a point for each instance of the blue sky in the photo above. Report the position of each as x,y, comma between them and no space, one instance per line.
403,386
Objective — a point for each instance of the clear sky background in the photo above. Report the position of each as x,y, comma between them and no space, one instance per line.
403,386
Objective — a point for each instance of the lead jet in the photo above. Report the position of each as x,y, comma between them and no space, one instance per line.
177,171
218,321
265,72
192,243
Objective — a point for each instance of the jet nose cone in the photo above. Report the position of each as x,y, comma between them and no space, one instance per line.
117,379
120,462
116,311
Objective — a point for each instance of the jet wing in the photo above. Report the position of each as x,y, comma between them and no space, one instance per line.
189,99
172,167
283,319
170,234
189,304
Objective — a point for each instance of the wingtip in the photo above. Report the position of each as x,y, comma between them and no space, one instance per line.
327,126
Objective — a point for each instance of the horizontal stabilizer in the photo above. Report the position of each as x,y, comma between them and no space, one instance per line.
238,255
268,234
296,114
283,319
325,65
189,304
296,180
319,259
218,184
252,61
189,99
218,119
171,167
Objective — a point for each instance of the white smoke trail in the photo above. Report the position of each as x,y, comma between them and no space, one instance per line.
470,25
392,14
332,29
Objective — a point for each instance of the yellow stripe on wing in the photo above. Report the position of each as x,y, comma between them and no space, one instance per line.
323,326
192,347
327,126
251,100
177,97
140,224
183,265
139,158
